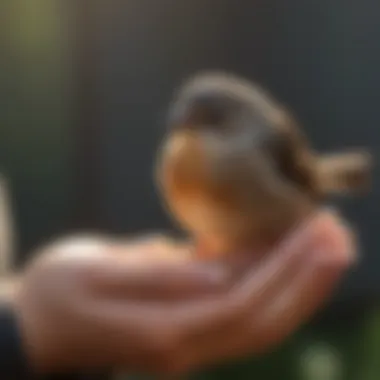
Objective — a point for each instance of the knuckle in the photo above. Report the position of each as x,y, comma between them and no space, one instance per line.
266,342
163,350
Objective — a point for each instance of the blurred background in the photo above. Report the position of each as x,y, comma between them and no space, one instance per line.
84,86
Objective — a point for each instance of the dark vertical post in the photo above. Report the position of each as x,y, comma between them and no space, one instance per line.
88,121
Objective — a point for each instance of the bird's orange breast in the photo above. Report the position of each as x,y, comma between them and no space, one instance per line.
192,198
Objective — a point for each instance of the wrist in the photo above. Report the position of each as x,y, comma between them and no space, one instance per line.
13,356
12,310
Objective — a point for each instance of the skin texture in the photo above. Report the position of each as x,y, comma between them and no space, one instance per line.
92,304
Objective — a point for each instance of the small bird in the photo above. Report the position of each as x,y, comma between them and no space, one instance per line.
236,171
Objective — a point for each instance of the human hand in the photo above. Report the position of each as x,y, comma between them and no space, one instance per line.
83,305
64,298
274,300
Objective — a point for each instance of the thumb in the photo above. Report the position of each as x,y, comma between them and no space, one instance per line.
334,240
